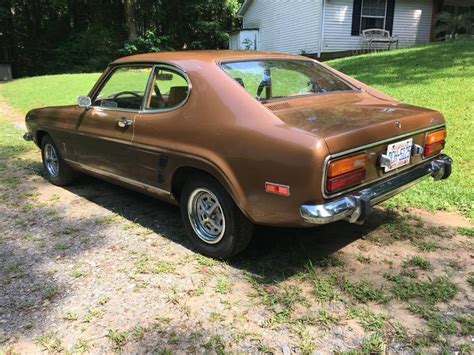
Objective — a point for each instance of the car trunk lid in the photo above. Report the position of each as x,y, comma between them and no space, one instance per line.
350,120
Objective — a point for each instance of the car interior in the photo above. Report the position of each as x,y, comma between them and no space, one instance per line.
170,89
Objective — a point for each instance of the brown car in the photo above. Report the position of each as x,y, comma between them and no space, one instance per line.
242,138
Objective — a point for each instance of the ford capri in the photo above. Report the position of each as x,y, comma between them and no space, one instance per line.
238,139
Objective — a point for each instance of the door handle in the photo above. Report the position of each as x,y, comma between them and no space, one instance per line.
124,122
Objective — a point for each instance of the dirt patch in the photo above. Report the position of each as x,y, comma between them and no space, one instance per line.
443,219
97,268
9,113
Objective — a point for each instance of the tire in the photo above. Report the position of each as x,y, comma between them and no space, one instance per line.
56,170
222,234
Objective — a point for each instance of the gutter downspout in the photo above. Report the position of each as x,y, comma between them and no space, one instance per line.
321,30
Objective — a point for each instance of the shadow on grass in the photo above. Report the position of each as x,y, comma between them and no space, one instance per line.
274,253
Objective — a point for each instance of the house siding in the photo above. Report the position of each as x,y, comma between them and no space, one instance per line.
412,24
291,26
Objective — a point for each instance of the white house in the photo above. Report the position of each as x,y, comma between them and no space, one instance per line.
328,26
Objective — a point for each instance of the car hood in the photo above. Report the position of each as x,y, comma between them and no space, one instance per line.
349,120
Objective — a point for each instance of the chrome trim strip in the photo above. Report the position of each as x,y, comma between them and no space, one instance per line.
128,181
370,145
180,72
355,207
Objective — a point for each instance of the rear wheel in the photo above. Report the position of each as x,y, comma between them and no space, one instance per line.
214,223
56,170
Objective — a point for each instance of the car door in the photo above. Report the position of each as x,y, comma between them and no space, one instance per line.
103,133
161,126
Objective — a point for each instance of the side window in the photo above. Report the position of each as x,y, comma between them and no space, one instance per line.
125,88
169,89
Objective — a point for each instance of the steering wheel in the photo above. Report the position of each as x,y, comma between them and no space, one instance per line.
126,92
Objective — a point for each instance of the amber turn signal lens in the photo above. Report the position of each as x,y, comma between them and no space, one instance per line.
435,137
346,165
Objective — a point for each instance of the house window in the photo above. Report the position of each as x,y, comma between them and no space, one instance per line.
373,14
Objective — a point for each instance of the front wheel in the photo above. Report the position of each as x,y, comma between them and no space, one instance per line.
56,170
215,225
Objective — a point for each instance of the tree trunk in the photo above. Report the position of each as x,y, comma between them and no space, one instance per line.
11,53
130,17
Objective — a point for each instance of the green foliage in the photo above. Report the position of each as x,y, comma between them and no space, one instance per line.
88,50
149,42
452,24
53,36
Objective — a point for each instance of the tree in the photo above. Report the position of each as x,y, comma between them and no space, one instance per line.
51,36
130,16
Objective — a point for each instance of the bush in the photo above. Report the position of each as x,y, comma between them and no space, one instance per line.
89,50
150,42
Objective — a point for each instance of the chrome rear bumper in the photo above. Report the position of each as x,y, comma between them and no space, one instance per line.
356,205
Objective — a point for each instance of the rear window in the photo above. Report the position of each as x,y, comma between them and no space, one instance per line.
274,79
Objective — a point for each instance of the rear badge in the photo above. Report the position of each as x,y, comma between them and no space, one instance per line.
398,124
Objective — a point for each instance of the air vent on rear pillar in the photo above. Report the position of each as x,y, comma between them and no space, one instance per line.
280,106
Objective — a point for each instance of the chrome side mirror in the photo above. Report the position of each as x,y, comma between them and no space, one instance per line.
84,101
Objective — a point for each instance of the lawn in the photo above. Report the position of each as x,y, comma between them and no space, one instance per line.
438,76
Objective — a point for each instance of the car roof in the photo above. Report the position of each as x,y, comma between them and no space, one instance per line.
203,56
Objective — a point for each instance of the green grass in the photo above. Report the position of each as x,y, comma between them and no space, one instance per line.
437,289
25,94
438,76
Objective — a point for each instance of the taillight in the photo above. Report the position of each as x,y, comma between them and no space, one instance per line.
346,172
434,142
345,165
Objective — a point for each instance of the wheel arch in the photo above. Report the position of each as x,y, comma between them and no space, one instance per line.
184,172
39,135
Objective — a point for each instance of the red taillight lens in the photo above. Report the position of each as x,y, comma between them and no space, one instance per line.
433,148
346,172
434,142
345,180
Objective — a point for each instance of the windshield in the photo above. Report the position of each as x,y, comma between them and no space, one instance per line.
272,79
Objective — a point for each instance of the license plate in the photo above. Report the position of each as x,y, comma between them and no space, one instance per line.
399,154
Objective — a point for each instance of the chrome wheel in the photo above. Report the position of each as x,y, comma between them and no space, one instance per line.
206,216
51,160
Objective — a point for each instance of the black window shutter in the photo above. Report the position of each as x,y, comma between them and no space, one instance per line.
390,14
356,12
